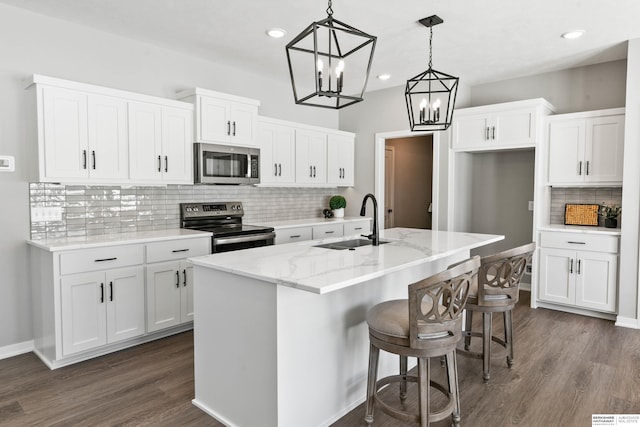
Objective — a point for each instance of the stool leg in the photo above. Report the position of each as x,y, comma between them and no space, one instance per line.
508,336
374,353
403,383
452,376
424,389
486,344
468,319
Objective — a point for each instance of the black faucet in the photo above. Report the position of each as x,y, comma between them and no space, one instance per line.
373,236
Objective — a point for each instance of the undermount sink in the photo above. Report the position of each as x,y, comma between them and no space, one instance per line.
347,244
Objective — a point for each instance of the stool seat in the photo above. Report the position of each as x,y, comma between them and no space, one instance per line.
427,324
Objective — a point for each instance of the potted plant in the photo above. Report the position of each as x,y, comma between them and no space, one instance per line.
337,204
610,214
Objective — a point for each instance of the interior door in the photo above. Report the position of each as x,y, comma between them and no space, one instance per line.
389,186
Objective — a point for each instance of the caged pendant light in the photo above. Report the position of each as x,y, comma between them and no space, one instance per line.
329,63
431,95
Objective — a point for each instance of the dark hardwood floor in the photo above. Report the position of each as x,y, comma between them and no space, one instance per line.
567,367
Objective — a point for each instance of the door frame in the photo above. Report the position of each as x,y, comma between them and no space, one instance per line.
378,179
392,150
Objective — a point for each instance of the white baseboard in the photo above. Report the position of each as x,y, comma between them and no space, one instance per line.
15,349
627,322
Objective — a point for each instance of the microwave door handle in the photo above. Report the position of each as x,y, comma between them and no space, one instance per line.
248,174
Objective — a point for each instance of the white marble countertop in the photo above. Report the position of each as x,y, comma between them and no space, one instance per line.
319,270
581,229
85,242
310,222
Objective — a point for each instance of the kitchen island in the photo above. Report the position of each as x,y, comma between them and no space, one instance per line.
280,333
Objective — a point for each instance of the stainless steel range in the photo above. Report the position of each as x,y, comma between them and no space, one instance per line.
224,220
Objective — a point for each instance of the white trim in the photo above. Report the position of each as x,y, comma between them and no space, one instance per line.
576,310
15,349
378,179
627,322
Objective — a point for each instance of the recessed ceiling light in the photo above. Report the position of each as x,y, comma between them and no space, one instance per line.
384,76
276,33
572,34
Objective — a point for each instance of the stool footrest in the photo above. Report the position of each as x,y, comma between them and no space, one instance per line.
475,354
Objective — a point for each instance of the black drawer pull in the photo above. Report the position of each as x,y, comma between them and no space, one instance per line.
577,243
329,232
106,259
358,228
295,236
179,250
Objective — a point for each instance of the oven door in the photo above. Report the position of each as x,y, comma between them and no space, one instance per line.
220,164
234,243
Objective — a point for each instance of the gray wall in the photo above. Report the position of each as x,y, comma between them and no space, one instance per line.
37,44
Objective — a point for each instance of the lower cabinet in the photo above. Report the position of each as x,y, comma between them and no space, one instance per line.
585,278
169,294
323,231
102,307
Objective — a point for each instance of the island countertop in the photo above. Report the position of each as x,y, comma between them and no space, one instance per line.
319,270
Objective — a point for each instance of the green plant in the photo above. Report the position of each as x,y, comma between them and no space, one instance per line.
337,202
609,211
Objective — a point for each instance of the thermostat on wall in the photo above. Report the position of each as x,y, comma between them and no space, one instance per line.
7,164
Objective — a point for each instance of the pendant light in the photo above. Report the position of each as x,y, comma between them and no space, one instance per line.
329,63
431,95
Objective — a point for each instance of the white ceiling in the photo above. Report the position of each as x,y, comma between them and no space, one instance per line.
480,41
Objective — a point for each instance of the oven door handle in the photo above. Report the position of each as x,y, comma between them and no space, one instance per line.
241,239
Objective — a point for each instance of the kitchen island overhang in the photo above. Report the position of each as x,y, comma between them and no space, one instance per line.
280,334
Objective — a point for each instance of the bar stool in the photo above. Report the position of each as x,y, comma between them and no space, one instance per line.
428,324
497,290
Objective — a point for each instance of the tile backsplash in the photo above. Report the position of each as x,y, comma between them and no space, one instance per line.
561,196
94,210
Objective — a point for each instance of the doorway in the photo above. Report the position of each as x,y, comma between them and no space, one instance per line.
408,182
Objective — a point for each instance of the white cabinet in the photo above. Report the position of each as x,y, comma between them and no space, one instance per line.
92,134
277,153
500,126
170,284
340,160
323,231
289,235
160,144
357,228
83,136
222,118
579,270
311,157
586,148
326,231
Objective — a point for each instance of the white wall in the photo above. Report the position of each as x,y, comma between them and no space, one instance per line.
36,44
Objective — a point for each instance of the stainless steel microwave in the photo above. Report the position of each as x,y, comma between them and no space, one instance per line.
224,164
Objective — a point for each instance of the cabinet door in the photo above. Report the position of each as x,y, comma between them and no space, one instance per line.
515,128
243,124
566,149
186,297
65,134
124,295
471,132
290,235
83,312
214,120
108,140
327,231
177,146
277,159
604,149
145,142
311,153
596,281
557,276
163,295
340,160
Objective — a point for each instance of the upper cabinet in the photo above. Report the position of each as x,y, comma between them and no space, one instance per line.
340,160
91,134
510,125
311,157
586,148
223,119
277,152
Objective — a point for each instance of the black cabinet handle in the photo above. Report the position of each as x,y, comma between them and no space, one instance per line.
105,259
166,163
93,159
329,232
101,292
180,250
587,168
314,171
358,228
275,169
295,236
571,266
579,266
159,164
310,171
177,279
234,128
493,132
576,243
184,273
486,137
279,169
84,159
110,291
579,168
228,127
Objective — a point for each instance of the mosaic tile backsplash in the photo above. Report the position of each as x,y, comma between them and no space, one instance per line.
95,210
561,196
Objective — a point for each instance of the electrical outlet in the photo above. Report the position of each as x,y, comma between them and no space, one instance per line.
531,205
49,213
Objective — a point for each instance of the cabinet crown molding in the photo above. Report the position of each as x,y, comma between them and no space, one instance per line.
220,95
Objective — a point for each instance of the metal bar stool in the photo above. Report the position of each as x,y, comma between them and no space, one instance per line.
428,324
497,290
